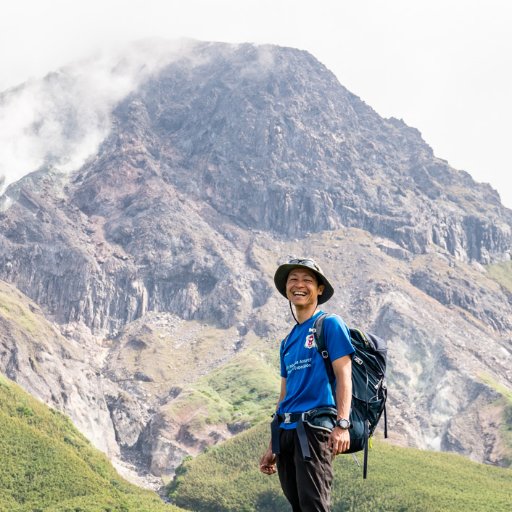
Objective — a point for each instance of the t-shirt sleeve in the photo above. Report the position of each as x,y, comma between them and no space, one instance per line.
281,360
337,337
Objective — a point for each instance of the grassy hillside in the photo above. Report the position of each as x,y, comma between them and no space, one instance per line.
47,465
504,405
502,273
22,316
239,392
226,479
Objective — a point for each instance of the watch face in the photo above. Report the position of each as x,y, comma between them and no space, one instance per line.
343,423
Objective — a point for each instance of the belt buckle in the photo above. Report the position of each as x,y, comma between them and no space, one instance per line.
287,417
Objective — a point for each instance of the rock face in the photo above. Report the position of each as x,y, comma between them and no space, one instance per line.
215,169
246,137
59,370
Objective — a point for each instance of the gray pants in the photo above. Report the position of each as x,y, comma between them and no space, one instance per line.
306,484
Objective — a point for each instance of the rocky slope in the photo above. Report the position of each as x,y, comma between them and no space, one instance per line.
215,169
59,370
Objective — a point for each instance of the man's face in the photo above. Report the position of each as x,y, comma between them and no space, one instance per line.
302,288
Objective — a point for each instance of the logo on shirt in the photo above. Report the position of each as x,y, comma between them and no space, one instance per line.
310,341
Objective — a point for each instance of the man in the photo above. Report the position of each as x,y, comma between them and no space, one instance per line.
311,425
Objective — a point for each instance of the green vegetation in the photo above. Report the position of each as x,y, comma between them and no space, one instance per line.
248,383
502,273
500,388
226,479
14,308
47,465
242,391
504,404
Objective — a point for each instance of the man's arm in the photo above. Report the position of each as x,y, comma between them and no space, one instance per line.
340,438
268,461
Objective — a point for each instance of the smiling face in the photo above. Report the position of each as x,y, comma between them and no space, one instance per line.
302,288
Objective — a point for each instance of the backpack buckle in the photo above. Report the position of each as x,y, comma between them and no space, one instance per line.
325,354
287,417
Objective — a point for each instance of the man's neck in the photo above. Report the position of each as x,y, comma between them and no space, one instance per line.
304,314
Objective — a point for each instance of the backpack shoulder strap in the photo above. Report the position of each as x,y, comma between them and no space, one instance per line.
322,347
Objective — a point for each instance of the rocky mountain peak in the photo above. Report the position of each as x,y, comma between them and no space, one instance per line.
268,138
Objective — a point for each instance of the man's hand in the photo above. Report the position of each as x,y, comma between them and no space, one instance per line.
268,463
339,441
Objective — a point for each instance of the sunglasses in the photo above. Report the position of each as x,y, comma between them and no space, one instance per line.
307,262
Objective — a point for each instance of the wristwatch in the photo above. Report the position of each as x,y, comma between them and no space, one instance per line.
343,423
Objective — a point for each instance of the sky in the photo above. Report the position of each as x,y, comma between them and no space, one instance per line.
443,66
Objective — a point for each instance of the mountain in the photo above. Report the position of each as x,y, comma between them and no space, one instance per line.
154,261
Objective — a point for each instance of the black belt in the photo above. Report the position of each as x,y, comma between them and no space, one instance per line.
299,418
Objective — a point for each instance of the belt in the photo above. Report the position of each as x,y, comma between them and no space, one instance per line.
300,418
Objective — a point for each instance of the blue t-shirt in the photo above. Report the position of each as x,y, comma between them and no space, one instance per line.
307,384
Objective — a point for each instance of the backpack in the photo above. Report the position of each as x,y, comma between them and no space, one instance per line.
369,392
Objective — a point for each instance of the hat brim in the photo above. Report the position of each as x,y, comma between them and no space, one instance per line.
281,276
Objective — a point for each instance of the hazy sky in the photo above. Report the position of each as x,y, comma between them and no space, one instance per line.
443,66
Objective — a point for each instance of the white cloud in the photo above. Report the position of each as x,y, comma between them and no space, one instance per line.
60,121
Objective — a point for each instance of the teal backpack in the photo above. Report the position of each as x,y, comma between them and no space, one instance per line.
369,392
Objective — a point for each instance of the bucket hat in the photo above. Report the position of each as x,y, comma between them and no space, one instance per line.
283,270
